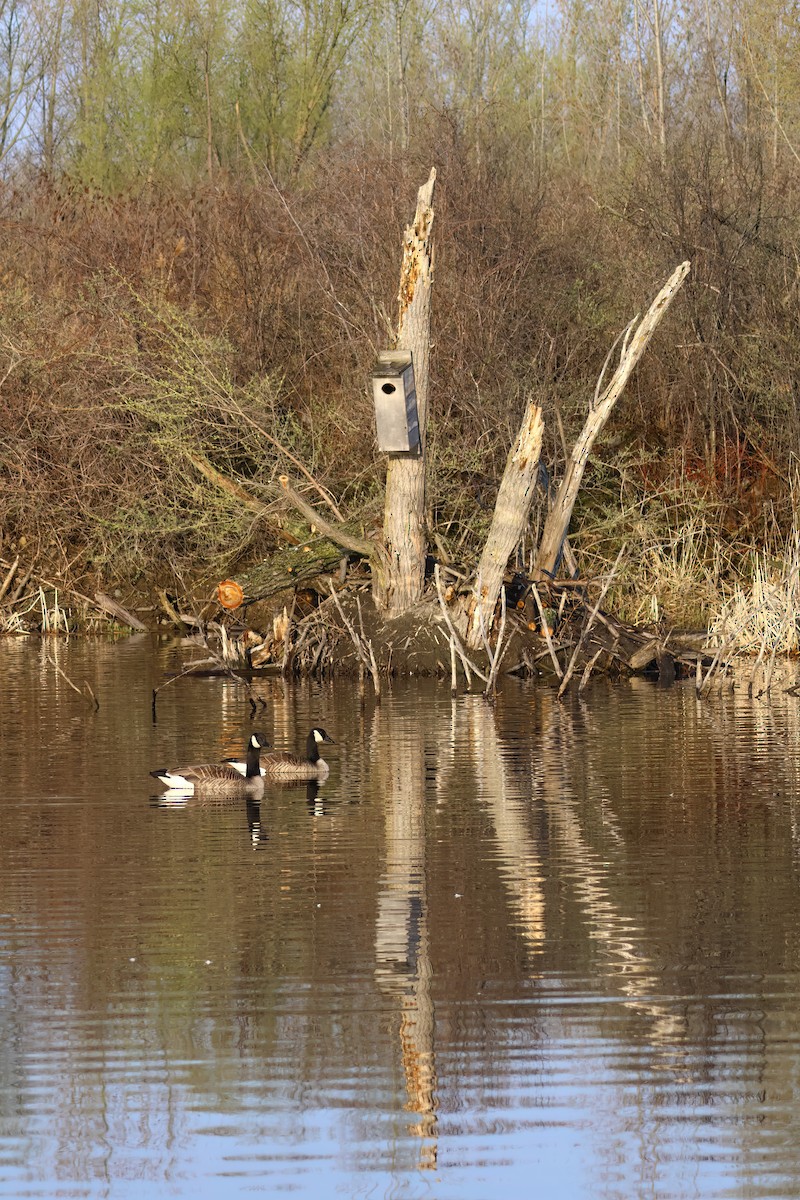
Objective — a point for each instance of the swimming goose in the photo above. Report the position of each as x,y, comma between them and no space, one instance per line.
281,765
220,779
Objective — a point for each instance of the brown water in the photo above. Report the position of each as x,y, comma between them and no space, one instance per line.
541,949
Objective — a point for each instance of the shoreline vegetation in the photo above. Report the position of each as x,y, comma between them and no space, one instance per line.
200,266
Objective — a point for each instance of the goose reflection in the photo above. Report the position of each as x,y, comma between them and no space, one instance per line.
175,800
258,835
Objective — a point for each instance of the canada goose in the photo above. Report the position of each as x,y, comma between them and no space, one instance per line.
281,765
220,779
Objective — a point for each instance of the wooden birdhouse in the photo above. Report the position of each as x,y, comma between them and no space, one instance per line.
395,395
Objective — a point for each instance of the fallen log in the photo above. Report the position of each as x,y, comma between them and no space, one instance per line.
113,609
294,567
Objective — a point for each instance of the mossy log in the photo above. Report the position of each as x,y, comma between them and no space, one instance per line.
294,567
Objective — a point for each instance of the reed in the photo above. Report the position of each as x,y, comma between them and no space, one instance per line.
54,619
761,616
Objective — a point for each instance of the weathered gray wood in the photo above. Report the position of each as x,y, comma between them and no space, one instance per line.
401,585
634,345
644,655
510,518
111,607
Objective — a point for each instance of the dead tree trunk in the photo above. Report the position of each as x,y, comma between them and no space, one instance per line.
401,584
508,523
633,347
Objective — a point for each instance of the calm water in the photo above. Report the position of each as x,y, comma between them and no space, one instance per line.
537,949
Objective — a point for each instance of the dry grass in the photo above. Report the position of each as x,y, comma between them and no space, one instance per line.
679,576
762,616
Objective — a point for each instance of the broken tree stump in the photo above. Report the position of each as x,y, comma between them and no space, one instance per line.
633,347
403,582
511,512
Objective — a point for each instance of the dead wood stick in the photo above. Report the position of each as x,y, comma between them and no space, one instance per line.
204,662
116,610
361,645
335,533
287,640
494,656
499,651
10,575
788,619
512,506
727,647
93,701
170,609
756,668
587,627
227,485
12,570
587,670
546,632
212,660
21,585
466,663
455,652
368,644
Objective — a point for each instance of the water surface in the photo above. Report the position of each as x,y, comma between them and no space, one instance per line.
536,948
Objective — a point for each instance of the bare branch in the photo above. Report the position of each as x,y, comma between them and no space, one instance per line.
363,546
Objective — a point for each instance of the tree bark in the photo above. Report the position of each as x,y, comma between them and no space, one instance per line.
508,523
558,519
401,585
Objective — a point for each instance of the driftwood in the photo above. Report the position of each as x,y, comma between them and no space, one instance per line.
116,610
635,342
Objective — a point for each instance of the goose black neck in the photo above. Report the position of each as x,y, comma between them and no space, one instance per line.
312,748
252,761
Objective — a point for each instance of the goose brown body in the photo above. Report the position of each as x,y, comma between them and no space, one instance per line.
218,779
282,765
